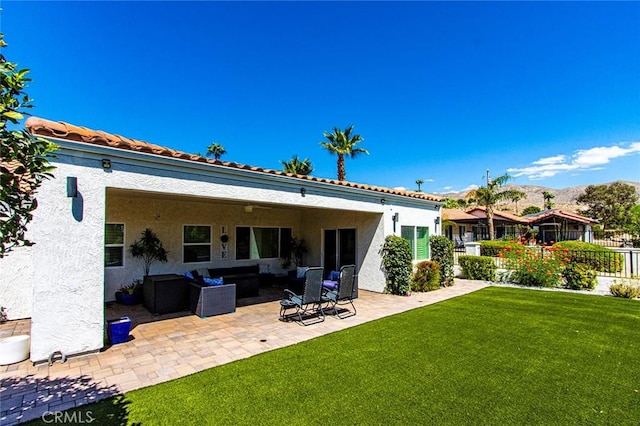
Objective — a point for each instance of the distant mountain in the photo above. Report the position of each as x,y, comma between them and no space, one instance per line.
564,198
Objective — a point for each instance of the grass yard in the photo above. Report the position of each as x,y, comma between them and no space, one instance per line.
496,356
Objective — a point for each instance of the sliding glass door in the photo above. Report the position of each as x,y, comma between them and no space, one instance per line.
339,248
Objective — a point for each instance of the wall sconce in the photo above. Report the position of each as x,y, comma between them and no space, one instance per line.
106,164
396,217
303,191
436,220
72,186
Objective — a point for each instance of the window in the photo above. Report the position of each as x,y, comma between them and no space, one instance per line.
196,243
261,243
113,244
418,237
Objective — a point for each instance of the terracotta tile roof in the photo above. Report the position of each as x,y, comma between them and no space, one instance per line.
70,132
24,180
481,212
546,214
457,215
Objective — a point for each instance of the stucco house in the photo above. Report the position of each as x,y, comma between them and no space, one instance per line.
548,225
107,189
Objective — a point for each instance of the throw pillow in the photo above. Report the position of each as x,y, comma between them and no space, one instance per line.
334,275
189,275
213,281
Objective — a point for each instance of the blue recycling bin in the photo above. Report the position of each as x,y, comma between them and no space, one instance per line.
118,330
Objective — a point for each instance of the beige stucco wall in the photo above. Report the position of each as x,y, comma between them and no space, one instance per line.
65,273
166,217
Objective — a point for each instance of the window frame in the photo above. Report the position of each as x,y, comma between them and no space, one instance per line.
199,244
413,242
122,245
252,249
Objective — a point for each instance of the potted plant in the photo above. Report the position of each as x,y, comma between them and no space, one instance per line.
297,250
130,294
149,248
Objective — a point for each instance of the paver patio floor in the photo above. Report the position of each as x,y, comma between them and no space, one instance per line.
170,347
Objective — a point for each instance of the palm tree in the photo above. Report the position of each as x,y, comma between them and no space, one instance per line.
488,196
517,196
419,182
548,204
216,150
343,143
297,166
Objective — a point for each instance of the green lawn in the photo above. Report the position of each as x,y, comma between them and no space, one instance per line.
497,356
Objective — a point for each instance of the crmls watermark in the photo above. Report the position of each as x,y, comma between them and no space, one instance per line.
65,417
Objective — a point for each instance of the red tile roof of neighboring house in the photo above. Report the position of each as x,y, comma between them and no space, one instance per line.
459,215
61,130
546,214
481,212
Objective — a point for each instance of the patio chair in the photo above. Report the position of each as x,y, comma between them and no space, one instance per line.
458,242
344,294
310,301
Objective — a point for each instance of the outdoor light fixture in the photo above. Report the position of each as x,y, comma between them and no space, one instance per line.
303,191
383,201
437,220
396,217
106,164
72,186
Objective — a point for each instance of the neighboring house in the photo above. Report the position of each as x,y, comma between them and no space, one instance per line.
472,225
123,186
549,225
556,225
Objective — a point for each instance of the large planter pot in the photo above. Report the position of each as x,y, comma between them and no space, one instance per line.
14,349
126,298
118,330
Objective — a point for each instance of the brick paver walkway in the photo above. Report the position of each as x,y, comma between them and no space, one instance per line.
166,349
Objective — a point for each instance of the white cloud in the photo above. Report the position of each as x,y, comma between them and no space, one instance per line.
582,160
449,189
552,160
400,188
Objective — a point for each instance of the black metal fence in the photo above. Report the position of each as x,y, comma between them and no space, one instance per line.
611,239
619,263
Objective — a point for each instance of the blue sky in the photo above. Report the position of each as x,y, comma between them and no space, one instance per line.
440,91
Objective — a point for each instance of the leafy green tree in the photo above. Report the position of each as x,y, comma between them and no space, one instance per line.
297,166
23,162
488,196
531,210
216,150
609,204
633,227
548,204
343,143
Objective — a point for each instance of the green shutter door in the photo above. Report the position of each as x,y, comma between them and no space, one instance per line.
407,233
422,243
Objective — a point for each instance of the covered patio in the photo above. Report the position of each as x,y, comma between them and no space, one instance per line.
167,347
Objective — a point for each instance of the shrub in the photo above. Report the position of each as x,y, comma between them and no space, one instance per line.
534,267
625,287
579,277
397,262
597,257
426,277
442,254
492,248
477,268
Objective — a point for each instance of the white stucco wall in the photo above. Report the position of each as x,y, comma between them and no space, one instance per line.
67,313
65,269
16,283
